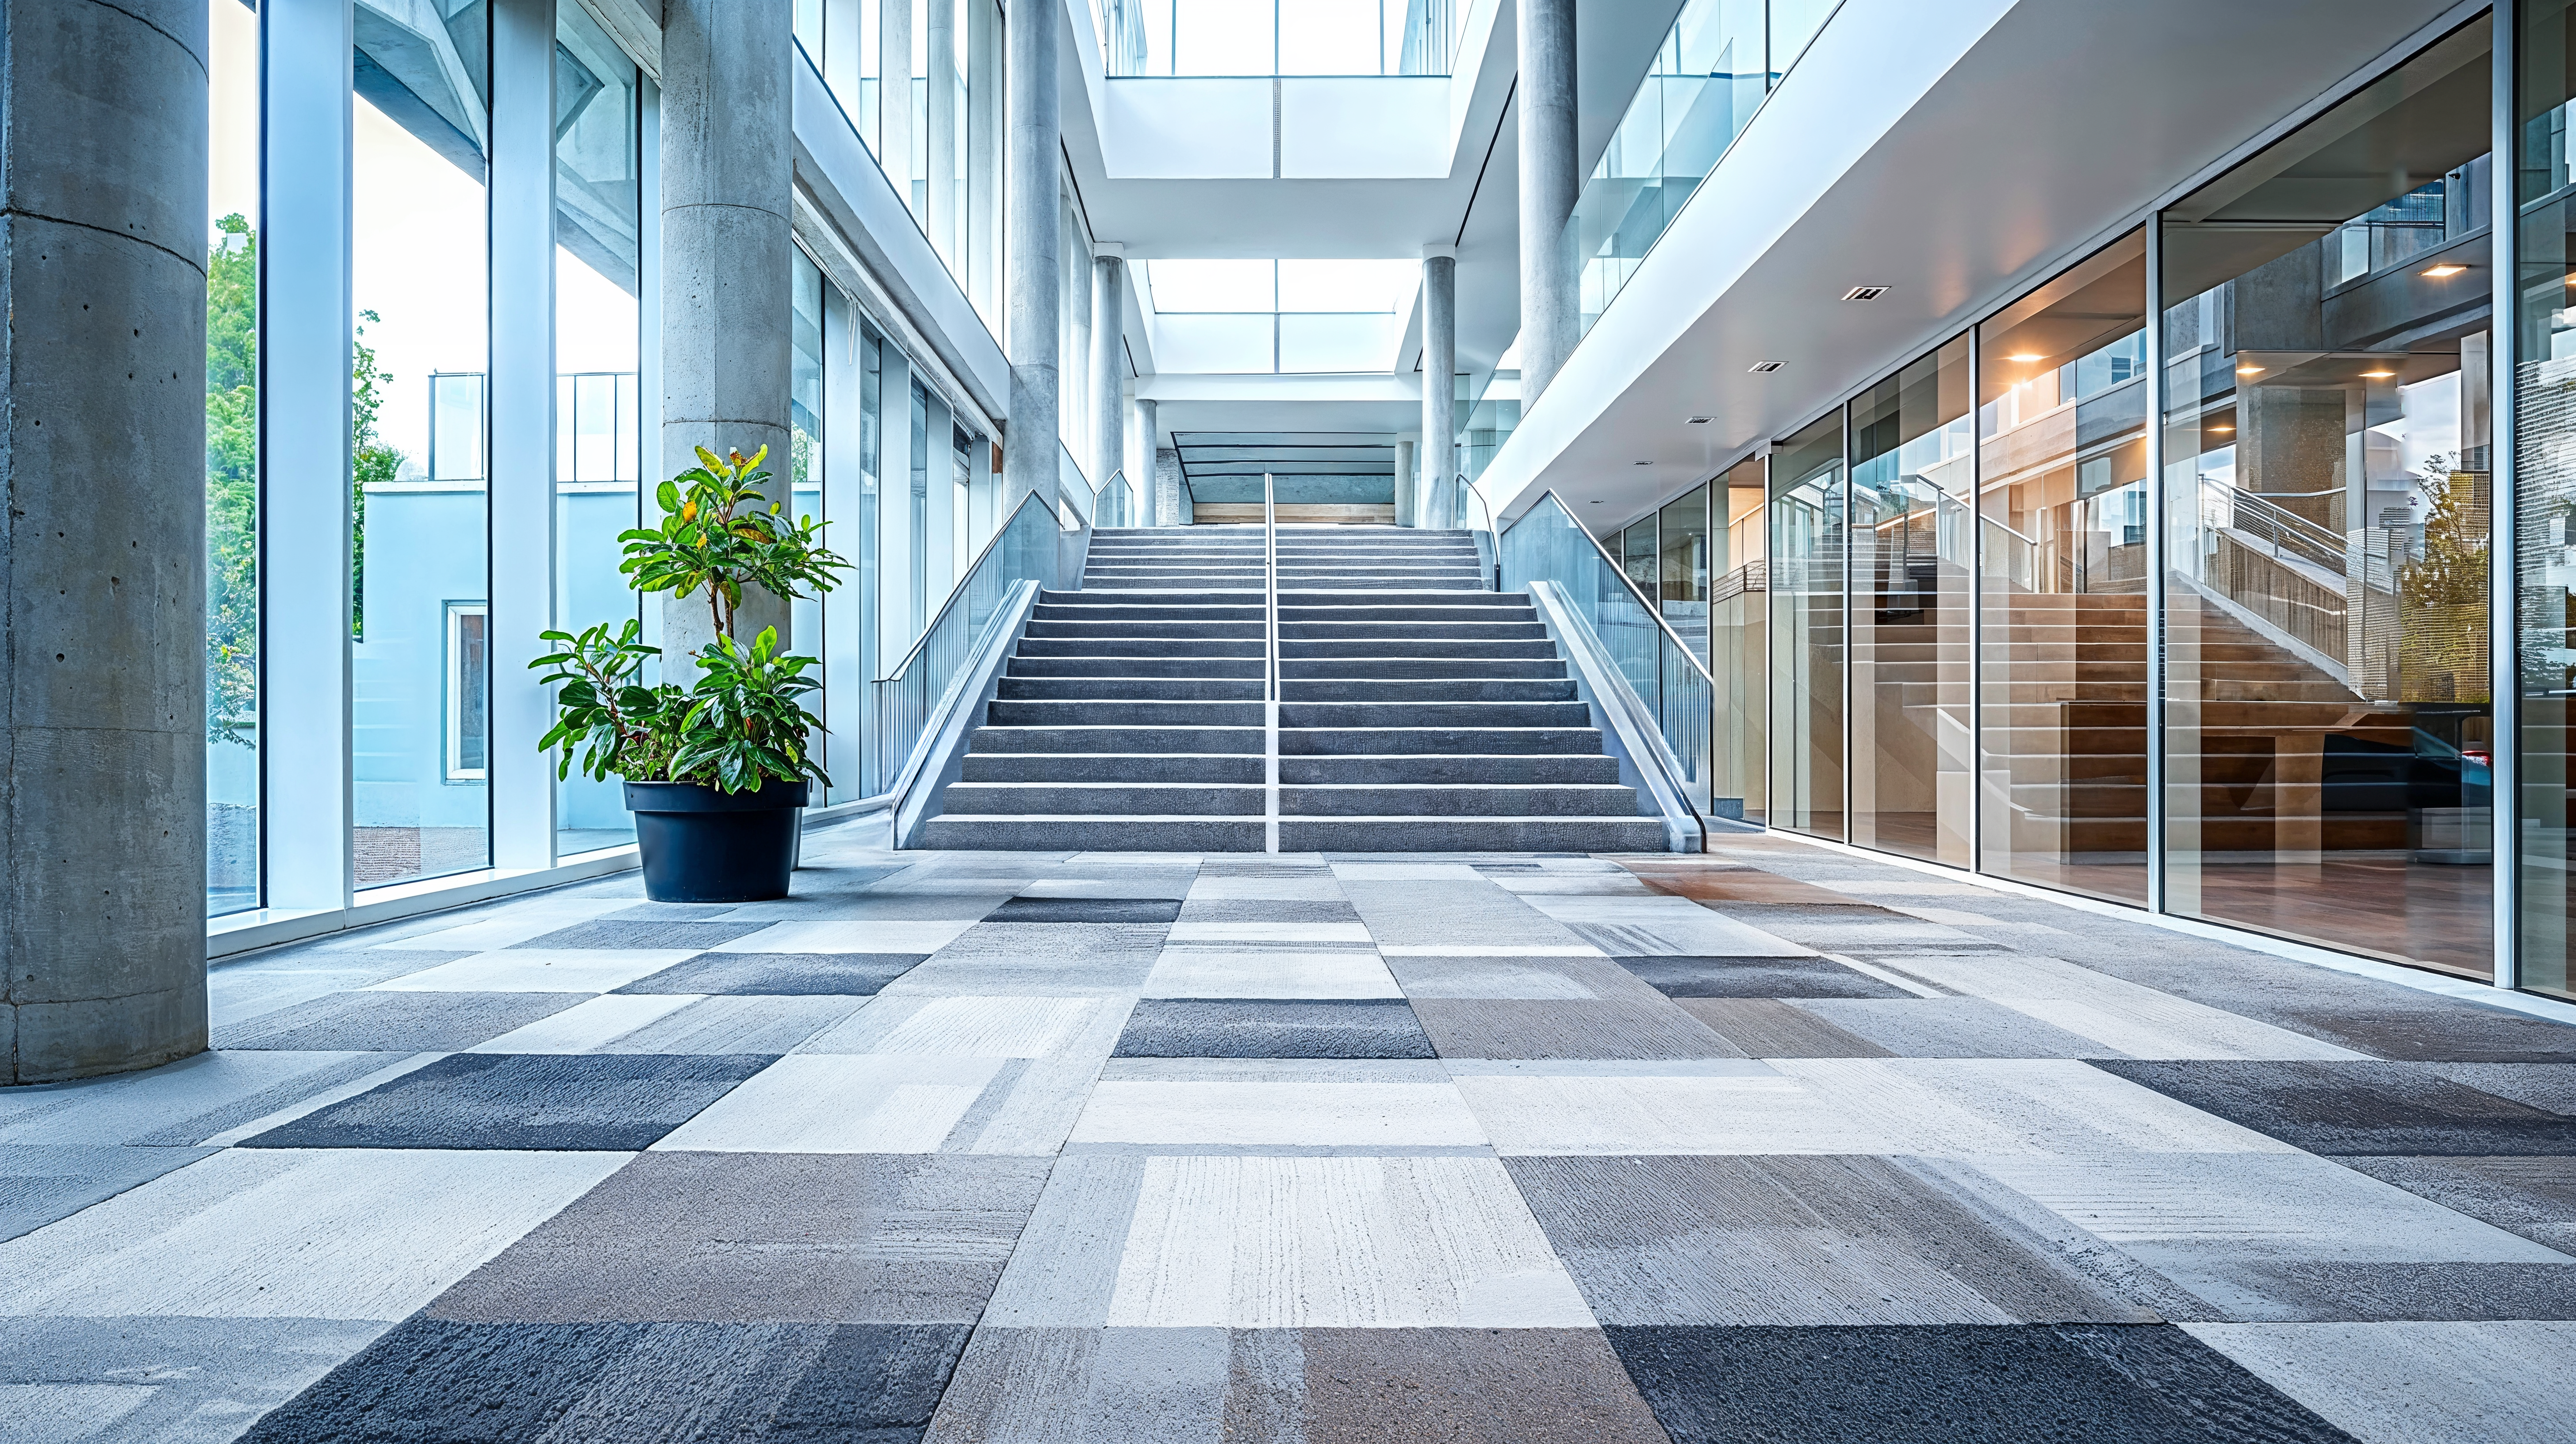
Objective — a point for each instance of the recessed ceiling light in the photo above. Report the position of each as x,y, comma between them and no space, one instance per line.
1701,420
1596,501
2224,430
2443,270
2378,375
1864,293
2025,359
1645,463
1765,368
2249,370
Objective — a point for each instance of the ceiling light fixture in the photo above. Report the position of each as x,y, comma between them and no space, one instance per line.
2249,370
2378,375
2224,430
1645,463
1864,293
1701,420
1765,368
2025,358
2444,270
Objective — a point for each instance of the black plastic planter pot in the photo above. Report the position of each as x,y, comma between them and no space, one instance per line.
705,846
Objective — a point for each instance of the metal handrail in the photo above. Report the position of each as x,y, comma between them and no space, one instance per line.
1652,609
1270,588
1468,488
957,593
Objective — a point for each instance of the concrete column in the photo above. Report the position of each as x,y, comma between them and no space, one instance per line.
1033,290
1549,183
1108,366
727,303
103,541
1404,446
1159,509
939,206
1439,454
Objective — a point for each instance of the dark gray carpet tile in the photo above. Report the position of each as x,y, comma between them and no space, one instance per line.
2356,1108
1257,910
1758,978
2542,1085
502,1100
2335,1291
765,1237
1085,910
394,1022
780,974
1273,1028
1912,1027
130,1379
250,1108
2436,1030
660,912
2534,1197
1767,1028
1570,1028
1801,1240
40,1183
433,1380
604,933
1529,1386
2078,1384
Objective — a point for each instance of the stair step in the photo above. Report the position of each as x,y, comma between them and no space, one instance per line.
1469,834
1059,832
1242,770
1464,689
1401,647
1416,741
1433,714
1425,668
1245,740
1132,667
1138,689
1381,799
1138,647
1124,714
1190,799
1524,769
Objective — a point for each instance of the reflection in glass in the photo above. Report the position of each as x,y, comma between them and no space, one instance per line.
804,471
598,422
1808,512
2544,459
1682,567
420,668
2327,484
1913,551
1739,657
232,460
2061,414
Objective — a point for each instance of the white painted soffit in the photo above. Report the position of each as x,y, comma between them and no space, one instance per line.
1955,152
867,222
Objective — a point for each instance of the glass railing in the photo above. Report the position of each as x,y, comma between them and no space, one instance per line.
1080,501
1030,547
1548,545
1487,421
1711,73
1118,504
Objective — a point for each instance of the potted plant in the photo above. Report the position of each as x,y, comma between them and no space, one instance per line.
714,771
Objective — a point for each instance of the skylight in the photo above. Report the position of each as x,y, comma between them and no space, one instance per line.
1256,317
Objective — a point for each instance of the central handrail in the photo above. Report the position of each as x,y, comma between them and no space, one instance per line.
1269,589
1652,610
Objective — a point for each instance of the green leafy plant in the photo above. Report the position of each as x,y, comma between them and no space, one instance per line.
743,721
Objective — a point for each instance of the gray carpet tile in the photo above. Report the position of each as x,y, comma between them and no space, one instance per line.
1768,1028
1267,910
1720,1240
1273,1028
394,1022
1912,1027
2333,1291
781,974
2362,1108
2428,1033
1085,910
1460,914
1089,1386
500,1100
133,1380
40,1183
1532,1386
2542,1085
1684,977
662,912
740,1023
2534,1197
764,1237
430,1379
1058,958
1588,1028
2064,1384
644,934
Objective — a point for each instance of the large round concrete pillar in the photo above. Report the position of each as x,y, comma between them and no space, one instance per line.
1109,370
103,543
728,152
1032,273
1550,183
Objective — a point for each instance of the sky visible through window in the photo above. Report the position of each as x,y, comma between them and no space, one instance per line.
1258,317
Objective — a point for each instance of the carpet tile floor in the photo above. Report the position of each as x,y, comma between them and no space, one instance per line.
1777,1144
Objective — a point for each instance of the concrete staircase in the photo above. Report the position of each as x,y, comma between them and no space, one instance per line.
1418,710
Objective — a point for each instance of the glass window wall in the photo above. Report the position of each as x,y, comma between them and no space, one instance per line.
2062,456
1682,568
232,458
2327,714
2544,477
804,470
1809,512
420,565
1739,659
1913,488
598,319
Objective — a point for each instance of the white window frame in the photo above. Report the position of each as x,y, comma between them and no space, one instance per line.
452,658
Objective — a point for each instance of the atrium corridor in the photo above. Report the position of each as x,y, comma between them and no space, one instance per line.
1772,1144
